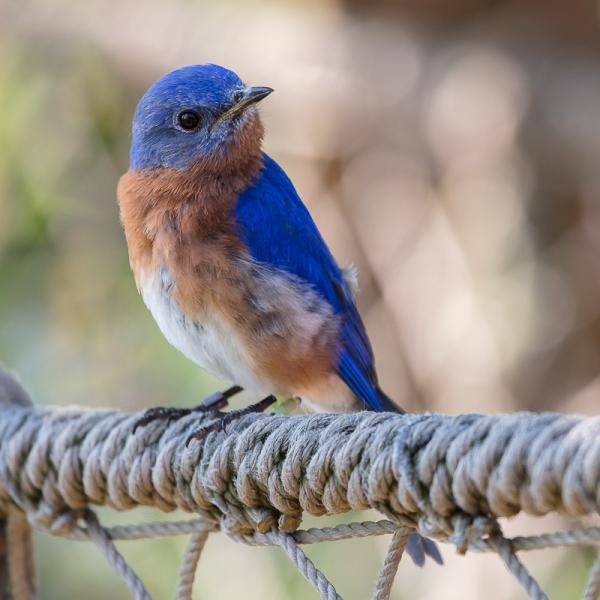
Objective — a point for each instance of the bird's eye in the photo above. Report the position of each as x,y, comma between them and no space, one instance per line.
237,96
188,120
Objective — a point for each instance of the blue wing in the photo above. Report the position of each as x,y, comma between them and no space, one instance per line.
278,230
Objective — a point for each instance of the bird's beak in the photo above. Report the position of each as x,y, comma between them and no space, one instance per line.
250,96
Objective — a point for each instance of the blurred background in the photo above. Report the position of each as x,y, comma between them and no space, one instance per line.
448,148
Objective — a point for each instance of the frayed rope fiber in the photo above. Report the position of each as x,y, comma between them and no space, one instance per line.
448,477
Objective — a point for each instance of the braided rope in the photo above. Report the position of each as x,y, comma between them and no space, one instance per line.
425,468
447,477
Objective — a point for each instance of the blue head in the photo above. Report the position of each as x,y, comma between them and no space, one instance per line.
195,112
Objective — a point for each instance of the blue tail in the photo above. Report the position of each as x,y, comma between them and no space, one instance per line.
387,403
364,384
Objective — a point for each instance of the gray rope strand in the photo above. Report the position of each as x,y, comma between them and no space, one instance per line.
189,564
383,587
573,537
517,568
316,535
98,535
592,588
152,530
305,565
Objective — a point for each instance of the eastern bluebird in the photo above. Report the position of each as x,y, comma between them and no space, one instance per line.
228,259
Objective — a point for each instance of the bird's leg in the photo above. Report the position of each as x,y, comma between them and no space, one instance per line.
225,418
212,403
218,400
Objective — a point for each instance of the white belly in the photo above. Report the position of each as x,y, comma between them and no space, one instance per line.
210,343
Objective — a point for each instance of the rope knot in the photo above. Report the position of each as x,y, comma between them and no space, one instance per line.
60,524
468,529
246,521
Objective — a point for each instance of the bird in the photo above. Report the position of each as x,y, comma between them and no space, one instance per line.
229,261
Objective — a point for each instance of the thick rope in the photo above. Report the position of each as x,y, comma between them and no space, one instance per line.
448,477
427,469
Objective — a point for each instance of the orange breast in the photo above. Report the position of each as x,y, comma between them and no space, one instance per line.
183,222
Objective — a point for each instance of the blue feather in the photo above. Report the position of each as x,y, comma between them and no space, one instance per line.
279,231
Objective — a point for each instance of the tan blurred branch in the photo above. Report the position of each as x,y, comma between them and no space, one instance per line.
17,573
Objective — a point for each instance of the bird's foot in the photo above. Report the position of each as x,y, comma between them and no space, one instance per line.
211,403
168,413
223,419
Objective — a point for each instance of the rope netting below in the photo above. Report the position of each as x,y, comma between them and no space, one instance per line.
448,478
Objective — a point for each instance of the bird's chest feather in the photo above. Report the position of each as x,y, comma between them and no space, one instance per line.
243,322
203,334
181,243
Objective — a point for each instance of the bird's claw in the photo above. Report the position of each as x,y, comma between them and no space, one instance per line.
169,413
210,404
218,400
223,419
199,434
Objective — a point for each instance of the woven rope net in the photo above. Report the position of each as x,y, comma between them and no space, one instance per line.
450,478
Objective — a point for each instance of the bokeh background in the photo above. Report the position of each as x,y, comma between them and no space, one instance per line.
449,148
